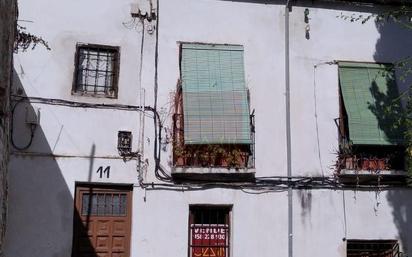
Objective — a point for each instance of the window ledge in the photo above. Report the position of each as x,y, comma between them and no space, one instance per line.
213,174
90,94
369,177
372,173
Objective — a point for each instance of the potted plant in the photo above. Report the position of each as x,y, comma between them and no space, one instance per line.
179,155
350,162
373,164
365,163
383,164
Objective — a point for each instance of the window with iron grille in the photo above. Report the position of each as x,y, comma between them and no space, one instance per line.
209,231
96,70
372,248
104,204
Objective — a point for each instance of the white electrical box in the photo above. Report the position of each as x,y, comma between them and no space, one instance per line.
141,7
134,9
32,115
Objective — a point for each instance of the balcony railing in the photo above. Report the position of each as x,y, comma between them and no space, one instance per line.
373,158
355,162
383,248
239,156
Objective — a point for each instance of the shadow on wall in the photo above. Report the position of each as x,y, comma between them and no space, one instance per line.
41,209
394,44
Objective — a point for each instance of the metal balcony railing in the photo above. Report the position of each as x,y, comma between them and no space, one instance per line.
238,156
367,157
378,248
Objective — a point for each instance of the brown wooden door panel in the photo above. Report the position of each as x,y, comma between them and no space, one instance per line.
103,255
119,244
119,227
102,222
118,255
103,227
102,244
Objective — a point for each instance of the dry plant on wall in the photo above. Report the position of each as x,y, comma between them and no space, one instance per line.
24,40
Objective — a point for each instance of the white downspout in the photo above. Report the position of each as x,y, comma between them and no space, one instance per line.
288,132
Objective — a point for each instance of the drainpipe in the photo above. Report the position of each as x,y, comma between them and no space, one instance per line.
288,132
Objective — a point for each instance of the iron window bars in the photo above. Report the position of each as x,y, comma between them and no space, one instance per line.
373,248
104,204
209,231
96,70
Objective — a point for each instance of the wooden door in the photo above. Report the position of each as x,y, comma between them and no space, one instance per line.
102,222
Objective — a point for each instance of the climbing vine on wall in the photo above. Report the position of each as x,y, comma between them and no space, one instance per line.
401,15
24,40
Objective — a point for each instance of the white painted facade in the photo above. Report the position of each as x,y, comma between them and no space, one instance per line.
70,144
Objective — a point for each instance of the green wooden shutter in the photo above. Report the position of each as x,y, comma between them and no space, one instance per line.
371,100
215,100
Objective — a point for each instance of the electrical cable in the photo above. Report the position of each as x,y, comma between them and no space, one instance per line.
164,176
266,184
61,102
317,121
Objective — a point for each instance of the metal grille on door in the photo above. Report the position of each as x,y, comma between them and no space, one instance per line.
209,231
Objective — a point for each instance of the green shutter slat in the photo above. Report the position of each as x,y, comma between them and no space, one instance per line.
212,47
367,90
364,65
215,105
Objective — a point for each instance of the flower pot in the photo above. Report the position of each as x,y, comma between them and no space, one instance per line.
223,163
365,164
349,163
373,164
180,161
382,164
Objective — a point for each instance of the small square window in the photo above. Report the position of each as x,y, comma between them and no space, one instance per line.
372,248
209,231
103,204
96,70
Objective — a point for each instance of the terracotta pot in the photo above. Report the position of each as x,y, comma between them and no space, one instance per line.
373,164
223,162
212,160
239,161
365,164
382,164
349,163
180,161
192,160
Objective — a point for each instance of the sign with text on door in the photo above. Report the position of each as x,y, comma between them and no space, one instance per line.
209,240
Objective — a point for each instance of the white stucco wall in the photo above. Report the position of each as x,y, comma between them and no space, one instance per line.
74,142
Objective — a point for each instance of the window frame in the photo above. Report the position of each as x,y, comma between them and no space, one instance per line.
116,70
357,150
228,222
244,153
78,219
